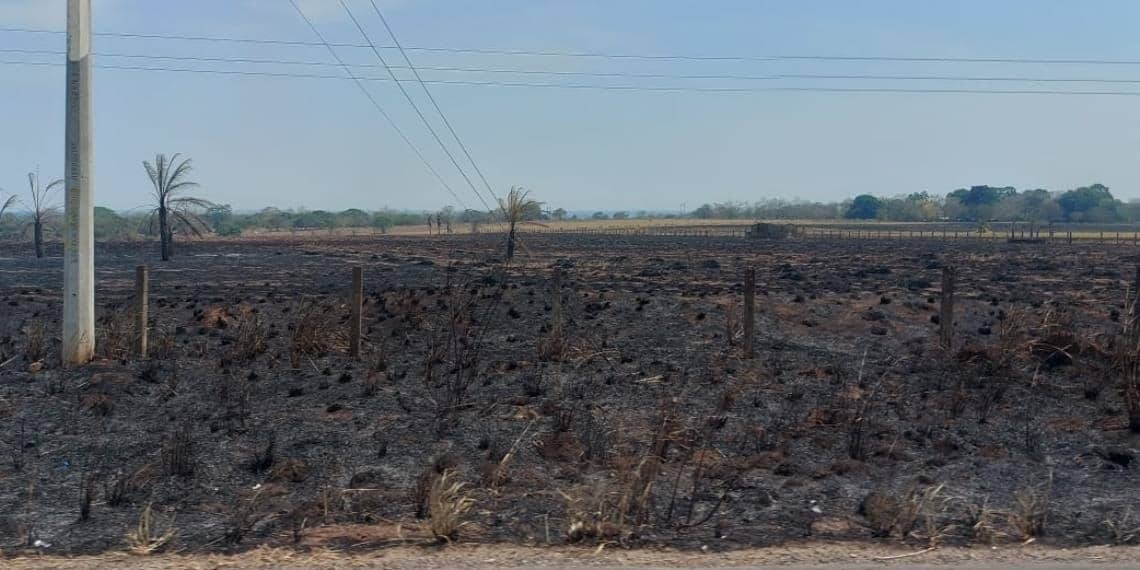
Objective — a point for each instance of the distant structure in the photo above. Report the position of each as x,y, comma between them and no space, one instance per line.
762,230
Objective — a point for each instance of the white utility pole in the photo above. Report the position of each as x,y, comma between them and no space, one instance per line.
78,235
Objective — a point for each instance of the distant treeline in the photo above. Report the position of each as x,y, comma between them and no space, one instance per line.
1094,203
222,220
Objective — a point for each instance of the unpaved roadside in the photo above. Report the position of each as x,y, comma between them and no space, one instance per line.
799,557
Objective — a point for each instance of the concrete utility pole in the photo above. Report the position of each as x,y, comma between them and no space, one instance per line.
78,236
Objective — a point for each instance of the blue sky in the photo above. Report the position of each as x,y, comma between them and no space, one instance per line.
260,141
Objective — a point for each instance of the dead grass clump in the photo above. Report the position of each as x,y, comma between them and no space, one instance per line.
1122,526
118,490
241,516
147,538
448,505
594,436
421,490
371,384
597,513
289,470
98,404
313,332
552,346
1030,513
1126,361
251,336
982,523
178,453
922,512
163,344
35,341
116,334
733,322
265,456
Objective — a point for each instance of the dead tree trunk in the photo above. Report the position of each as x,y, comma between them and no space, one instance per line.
511,242
38,237
164,233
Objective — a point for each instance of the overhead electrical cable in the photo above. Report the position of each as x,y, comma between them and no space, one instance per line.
435,104
377,105
610,55
415,107
623,88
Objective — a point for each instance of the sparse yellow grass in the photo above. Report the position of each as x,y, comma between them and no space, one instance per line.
146,538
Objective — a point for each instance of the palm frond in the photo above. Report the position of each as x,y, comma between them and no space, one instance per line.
189,221
10,202
148,222
42,195
181,170
175,188
189,202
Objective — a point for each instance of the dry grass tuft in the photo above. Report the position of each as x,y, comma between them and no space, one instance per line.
1030,514
313,332
923,512
146,538
289,470
1122,527
598,513
1126,360
35,341
448,504
252,336
116,334
163,344
981,522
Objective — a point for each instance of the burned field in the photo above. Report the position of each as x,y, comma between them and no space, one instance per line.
613,404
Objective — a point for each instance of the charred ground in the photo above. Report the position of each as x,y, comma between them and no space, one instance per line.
632,419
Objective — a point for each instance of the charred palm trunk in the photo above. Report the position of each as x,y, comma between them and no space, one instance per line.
38,237
164,233
511,242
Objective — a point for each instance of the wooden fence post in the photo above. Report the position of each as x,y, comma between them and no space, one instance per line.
946,319
749,309
556,298
142,307
357,302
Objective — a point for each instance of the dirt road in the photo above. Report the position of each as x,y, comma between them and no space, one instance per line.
799,557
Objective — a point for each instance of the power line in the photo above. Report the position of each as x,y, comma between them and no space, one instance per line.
600,74
375,104
412,102
431,98
629,88
609,55
487,51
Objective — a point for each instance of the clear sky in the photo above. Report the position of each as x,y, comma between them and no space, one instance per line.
318,143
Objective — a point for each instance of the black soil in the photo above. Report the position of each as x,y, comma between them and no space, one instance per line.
637,406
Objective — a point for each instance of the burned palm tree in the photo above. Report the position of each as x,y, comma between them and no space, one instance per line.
43,210
172,208
517,208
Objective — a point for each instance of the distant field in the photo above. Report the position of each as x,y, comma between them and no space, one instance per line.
838,229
